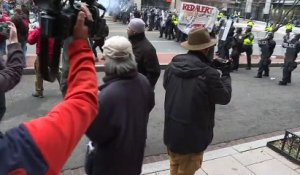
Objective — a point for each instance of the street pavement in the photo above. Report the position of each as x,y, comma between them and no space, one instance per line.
252,158
258,106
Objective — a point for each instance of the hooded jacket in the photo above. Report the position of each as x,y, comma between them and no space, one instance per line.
146,57
193,88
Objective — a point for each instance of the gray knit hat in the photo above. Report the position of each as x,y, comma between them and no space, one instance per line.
137,25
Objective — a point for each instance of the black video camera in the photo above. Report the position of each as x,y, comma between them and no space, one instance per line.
58,21
4,30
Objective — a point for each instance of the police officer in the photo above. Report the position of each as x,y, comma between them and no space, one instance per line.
250,23
151,20
220,16
175,23
158,19
227,44
269,28
267,46
248,45
145,17
292,49
288,30
169,27
237,48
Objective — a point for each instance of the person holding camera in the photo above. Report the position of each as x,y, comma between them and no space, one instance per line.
3,36
22,25
11,72
193,88
292,49
43,145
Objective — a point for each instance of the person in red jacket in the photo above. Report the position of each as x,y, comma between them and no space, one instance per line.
34,37
42,146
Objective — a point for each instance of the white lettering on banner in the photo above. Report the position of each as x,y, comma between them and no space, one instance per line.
196,15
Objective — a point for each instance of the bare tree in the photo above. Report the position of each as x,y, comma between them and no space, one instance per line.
280,20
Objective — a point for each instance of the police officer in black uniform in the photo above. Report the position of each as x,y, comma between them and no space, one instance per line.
145,17
292,49
237,48
151,20
248,45
267,46
169,27
227,44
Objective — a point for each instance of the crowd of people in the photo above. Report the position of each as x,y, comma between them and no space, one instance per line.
164,21
114,116
112,120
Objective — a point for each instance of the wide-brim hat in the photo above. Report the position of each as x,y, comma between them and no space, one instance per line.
198,39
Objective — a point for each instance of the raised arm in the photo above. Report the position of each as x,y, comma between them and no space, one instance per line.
57,134
11,73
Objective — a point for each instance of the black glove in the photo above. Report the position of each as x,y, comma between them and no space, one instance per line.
223,65
226,70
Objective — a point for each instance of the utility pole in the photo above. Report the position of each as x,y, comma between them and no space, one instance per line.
248,8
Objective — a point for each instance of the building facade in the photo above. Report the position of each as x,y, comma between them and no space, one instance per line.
256,9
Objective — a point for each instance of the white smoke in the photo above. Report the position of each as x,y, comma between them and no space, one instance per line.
115,5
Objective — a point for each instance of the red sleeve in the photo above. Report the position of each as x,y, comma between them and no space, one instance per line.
57,134
33,36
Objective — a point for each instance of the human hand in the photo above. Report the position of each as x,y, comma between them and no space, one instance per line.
223,65
13,36
81,31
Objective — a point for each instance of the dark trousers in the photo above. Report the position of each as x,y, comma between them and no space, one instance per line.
235,55
224,52
98,43
163,31
151,25
264,66
157,25
288,67
2,105
181,37
171,32
249,50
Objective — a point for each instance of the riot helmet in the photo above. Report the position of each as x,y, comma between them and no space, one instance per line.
248,29
270,36
239,30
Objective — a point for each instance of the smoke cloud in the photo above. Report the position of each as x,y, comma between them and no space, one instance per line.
115,5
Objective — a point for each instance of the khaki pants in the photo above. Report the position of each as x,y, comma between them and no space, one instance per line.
39,80
185,164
